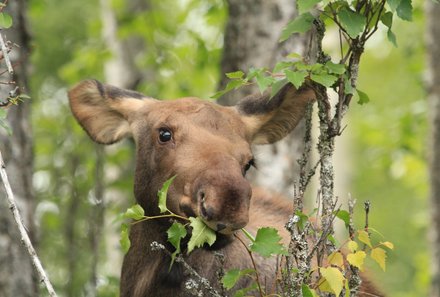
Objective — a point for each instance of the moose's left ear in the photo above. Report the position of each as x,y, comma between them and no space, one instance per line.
268,119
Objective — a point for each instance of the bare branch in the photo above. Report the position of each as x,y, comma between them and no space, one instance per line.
23,233
194,286
5,55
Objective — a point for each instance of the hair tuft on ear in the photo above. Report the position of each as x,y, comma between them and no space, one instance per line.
270,119
103,110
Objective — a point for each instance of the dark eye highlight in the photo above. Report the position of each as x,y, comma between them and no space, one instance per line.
165,135
250,164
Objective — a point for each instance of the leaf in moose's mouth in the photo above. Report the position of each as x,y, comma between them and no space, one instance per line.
200,235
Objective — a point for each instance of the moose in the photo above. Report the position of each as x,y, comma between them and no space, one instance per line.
207,147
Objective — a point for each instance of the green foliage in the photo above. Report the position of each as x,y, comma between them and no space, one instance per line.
300,24
162,194
5,20
175,234
136,212
352,21
232,276
267,243
200,235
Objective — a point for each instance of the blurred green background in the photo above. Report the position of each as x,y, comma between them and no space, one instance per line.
387,137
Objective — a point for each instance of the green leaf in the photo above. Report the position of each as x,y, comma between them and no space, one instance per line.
297,78
357,259
124,241
253,72
351,21
307,292
392,37
334,278
300,24
388,245
393,4
348,88
387,19
236,74
364,237
344,216
281,66
277,86
233,84
305,5
5,20
327,80
232,276
363,97
352,246
264,81
335,68
162,194
379,255
303,219
136,212
175,234
243,292
336,259
404,10
200,235
267,243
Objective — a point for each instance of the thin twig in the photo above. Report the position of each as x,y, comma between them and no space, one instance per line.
253,264
5,55
22,229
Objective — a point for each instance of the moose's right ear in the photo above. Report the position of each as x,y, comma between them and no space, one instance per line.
104,111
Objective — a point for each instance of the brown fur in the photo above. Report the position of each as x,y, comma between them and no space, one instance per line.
208,153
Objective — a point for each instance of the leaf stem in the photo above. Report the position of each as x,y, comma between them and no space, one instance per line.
253,262
171,215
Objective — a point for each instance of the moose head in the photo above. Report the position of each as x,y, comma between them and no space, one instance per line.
207,147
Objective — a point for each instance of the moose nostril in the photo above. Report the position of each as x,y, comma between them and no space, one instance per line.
220,227
201,196
205,212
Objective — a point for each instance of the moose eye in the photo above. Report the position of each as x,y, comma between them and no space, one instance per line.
165,135
249,165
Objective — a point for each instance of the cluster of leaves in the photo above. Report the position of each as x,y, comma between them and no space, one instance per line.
266,243
358,19
200,232
13,99
357,22
333,277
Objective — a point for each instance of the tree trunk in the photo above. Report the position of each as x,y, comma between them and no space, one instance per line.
17,277
251,40
433,49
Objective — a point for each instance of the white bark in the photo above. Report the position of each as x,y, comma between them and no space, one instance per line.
17,276
24,237
251,40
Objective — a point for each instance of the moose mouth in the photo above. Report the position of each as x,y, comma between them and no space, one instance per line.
219,227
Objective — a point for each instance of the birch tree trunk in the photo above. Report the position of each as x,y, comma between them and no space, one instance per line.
251,40
17,277
433,50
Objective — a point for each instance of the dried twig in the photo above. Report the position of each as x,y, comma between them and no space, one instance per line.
196,285
23,233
